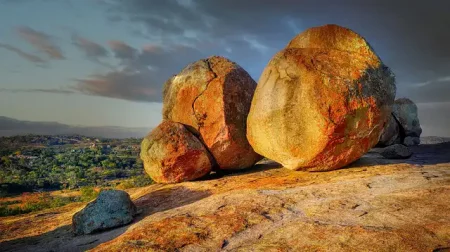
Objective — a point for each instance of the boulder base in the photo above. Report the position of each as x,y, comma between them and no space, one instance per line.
396,151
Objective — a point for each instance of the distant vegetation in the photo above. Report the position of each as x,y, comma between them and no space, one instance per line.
42,163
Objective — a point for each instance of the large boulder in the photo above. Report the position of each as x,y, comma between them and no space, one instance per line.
112,208
212,98
321,104
391,133
405,111
172,154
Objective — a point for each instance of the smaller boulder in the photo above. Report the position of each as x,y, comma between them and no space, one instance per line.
406,113
112,208
391,133
396,151
411,141
172,154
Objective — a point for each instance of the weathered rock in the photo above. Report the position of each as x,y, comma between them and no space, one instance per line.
172,154
396,151
212,97
405,111
391,133
411,141
334,37
319,108
112,208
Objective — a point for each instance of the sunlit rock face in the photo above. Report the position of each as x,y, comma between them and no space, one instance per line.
321,102
212,98
172,154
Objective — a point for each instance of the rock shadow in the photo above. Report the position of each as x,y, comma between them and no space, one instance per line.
63,239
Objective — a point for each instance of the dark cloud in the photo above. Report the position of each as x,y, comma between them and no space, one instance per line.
93,51
28,56
410,36
41,41
90,48
122,50
142,75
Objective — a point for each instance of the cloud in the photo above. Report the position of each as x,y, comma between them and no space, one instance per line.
93,51
142,74
90,48
41,41
426,83
28,56
38,90
122,50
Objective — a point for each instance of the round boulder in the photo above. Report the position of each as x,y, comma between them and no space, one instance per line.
405,111
212,98
320,108
396,151
391,133
172,154
112,208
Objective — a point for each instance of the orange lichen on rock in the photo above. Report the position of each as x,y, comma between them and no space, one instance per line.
322,102
212,98
172,154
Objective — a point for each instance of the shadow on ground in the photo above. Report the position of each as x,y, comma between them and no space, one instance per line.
62,238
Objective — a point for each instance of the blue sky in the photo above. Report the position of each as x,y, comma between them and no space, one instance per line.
103,62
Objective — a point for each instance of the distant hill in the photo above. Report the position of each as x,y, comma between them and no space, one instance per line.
12,127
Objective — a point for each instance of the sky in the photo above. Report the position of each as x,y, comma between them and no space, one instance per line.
104,62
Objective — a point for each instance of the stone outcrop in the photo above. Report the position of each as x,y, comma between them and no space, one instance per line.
322,102
406,113
172,154
212,98
112,208
404,126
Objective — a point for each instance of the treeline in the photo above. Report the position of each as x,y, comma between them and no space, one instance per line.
68,165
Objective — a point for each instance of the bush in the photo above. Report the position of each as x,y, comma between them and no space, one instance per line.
31,202
88,193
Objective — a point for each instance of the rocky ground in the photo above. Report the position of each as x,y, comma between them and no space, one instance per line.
375,204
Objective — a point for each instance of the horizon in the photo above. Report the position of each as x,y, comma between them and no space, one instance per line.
103,63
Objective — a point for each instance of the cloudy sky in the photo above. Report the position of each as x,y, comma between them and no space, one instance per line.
103,62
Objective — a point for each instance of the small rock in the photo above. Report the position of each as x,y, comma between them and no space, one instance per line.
411,141
172,154
396,151
406,113
112,208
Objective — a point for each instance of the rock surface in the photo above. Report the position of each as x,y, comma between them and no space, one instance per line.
213,96
396,151
373,205
406,113
391,133
320,108
172,154
112,208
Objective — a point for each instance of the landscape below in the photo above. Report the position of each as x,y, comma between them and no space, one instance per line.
375,204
